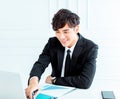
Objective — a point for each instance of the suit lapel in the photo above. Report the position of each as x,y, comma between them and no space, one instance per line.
77,51
60,54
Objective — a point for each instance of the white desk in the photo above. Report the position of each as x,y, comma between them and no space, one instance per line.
94,92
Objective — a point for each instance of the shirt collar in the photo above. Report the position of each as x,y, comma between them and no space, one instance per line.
71,49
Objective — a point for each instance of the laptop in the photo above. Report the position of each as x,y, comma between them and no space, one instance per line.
11,86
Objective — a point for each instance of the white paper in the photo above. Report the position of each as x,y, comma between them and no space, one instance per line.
56,90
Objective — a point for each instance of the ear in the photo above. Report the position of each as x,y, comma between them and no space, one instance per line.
77,29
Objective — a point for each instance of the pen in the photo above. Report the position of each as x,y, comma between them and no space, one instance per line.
34,93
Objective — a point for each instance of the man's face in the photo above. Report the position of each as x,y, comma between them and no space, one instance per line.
67,36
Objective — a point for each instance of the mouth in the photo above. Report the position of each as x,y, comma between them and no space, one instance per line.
64,42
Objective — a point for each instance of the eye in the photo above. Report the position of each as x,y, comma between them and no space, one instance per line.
66,32
57,32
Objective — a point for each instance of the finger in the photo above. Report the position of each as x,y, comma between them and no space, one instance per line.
28,94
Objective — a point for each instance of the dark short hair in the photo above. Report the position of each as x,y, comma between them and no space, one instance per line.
63,17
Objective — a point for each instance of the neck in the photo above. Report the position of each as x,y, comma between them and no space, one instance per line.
75,41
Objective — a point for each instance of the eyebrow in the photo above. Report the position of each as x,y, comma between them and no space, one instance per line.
66,29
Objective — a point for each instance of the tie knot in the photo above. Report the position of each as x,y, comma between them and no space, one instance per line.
68,51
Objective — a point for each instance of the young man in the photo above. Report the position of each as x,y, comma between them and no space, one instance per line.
81,67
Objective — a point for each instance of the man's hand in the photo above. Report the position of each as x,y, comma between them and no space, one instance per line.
49,79
32,88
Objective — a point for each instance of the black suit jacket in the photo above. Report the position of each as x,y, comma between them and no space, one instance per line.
83,64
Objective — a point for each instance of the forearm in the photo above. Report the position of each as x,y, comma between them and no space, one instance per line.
74,81
33,80
82,80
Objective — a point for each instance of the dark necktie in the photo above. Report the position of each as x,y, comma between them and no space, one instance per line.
67,63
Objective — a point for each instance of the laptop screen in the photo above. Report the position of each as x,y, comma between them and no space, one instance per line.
11,86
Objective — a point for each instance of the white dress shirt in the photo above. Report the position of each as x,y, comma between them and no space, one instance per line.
65,54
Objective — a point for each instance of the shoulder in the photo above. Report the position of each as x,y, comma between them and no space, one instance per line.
87,42
53,41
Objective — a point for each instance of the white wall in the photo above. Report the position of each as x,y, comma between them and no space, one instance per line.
25,28
104,28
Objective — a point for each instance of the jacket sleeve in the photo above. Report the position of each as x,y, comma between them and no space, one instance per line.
85,78
41,64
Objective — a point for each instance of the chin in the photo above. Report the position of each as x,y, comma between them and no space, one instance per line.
64,45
